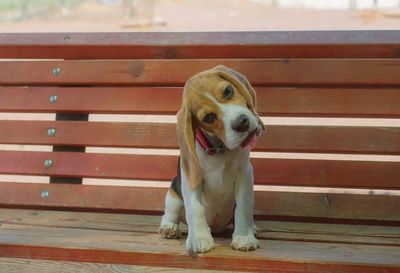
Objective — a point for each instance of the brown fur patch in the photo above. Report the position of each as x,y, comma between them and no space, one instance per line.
196,104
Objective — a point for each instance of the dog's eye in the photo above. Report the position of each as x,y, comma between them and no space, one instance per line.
210,118
228,92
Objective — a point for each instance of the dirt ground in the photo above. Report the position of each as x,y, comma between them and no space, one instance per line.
189,15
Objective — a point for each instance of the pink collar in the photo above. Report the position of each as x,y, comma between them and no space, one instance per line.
206,144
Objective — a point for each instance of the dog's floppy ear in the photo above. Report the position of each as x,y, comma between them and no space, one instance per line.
243,86
186,137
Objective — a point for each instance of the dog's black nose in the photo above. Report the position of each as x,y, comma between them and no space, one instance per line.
241,124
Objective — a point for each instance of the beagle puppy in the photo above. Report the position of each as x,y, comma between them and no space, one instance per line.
217,127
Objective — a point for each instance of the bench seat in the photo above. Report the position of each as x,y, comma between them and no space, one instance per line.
133,240
88,148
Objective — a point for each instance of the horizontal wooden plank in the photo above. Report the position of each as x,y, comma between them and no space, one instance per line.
216,261
281,44
331,139
349,102
316,139
73,164
326,173
148,249
298,205
295,172
46,266
83,197
325,101
260,72
288,231
78,133
150,200
116,100
341,37
329,233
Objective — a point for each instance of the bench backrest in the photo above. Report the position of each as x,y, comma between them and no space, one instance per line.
330,101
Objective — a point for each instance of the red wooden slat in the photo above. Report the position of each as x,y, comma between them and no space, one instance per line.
316,139
331,139
78,133
325,101
295,172
83,197
151,200
327,173
363,102
130,100
284,44
177,72
89,165
210,262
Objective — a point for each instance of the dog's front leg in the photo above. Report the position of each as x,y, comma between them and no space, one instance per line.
243,235
199,234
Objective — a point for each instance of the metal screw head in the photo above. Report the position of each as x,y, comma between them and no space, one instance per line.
44,194
66,38
56,71
48,163
53,99
51,132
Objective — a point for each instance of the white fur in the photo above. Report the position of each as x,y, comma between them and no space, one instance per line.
199,234
230,112
169,227
243,235
228,181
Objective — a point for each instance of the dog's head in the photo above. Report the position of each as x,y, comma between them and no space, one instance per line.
222,102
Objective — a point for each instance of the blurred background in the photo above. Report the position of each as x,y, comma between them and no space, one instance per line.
196,15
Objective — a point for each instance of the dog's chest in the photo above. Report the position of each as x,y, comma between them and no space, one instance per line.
220,170
220,174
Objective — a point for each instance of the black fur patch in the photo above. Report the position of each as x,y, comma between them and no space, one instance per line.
176,182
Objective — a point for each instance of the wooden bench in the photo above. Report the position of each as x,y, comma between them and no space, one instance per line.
95,149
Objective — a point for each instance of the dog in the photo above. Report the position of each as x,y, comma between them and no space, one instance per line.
217,126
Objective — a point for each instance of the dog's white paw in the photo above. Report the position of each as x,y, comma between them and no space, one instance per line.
169,230
245,243
200,242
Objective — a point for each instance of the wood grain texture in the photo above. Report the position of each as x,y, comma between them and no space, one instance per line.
286,44
359,85
132,100
331,139
294,172
72,164
53,241
13,265
311,139
300,101
111,134
150,200
260,72
325,101
219,262
354,37
271,230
